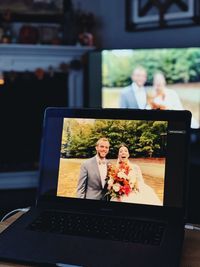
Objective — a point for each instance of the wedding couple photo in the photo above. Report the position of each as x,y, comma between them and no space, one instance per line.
113,160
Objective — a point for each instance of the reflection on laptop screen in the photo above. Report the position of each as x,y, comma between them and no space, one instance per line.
113,160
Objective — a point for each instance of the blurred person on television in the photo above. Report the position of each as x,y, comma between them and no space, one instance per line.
134,95
164,98
160,97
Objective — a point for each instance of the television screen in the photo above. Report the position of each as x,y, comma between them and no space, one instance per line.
159,78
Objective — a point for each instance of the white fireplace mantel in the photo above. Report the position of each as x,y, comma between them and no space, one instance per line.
25,57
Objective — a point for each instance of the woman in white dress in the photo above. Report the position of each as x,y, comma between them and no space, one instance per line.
138,192
160,97
163,98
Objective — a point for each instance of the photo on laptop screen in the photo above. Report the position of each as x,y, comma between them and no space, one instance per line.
113,160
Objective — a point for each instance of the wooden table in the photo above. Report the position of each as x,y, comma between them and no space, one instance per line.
190,256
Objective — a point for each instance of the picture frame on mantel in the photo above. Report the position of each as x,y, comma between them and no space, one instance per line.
150,14
31,11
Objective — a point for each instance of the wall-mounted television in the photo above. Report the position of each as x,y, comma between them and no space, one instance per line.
110,73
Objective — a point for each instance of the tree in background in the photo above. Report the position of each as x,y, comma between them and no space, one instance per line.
144,138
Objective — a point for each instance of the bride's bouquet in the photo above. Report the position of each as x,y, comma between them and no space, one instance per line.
120,180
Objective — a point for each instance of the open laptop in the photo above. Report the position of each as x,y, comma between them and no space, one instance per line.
136,221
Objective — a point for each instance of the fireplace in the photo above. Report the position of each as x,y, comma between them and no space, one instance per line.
25,95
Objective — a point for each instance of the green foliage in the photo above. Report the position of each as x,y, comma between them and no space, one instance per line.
178,65
143,138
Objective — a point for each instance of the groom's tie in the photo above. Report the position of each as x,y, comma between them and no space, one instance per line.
102,161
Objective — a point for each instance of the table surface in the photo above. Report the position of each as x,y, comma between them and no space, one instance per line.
190,254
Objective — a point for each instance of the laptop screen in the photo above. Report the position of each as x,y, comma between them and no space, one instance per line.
135,161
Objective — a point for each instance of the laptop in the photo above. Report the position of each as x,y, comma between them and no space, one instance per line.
128,210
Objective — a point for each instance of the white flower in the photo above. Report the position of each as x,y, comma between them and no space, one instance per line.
121,174
116,187
110,182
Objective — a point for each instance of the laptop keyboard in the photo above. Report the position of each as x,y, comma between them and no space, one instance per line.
90,225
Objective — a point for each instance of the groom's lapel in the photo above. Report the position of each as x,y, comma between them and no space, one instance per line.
96,170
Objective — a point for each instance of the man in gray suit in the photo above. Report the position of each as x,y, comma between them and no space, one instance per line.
93,173
134,95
